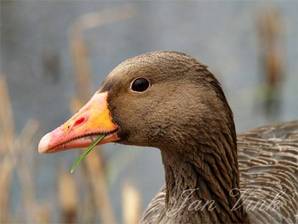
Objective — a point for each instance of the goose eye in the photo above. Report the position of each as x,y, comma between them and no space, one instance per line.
140,85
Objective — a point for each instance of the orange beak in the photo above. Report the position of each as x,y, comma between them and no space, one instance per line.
82,129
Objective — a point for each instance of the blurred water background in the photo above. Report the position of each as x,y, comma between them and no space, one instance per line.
231,37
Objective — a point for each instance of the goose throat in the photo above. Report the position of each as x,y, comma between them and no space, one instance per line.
200,180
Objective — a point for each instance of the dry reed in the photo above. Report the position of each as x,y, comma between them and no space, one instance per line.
68,198
12,150
6,138
271,58
131,204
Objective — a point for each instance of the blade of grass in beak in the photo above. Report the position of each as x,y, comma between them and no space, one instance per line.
77,162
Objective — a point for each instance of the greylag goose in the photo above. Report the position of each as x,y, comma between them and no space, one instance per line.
170,101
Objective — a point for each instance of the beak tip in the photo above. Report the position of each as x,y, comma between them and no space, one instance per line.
43,145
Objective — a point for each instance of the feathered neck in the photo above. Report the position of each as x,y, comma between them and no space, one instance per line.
202,179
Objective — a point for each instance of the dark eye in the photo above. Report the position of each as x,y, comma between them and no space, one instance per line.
140,85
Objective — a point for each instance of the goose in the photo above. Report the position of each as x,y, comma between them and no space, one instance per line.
170,101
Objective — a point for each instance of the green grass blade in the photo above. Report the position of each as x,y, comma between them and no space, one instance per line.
77,162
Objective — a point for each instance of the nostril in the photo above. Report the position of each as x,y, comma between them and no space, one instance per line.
79,121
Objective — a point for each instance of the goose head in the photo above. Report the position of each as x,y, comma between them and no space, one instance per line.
159,99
